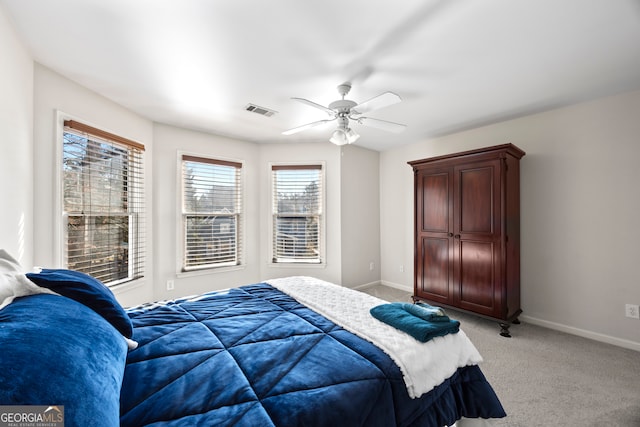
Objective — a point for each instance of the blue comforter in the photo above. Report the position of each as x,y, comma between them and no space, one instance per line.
253,356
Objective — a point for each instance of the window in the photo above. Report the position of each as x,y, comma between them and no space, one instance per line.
103,204
297,213
211,212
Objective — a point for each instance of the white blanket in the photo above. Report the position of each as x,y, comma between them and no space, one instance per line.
423,365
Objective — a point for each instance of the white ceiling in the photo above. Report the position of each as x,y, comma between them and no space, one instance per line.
457,64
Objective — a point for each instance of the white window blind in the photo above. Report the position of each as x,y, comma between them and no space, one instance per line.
211,212
103,204
297,213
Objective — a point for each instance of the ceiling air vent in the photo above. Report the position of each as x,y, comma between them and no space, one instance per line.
260,110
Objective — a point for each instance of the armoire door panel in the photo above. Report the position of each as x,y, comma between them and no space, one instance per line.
434,199
476,200
477,275
435,268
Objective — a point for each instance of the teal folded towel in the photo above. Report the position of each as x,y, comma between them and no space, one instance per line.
395,314
425,311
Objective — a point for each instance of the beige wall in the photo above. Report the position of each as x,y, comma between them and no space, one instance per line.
16,144
329,155
169,141
579,202
57,98
360,213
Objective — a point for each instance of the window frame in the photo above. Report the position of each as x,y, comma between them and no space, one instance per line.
135,205
321,236
182,268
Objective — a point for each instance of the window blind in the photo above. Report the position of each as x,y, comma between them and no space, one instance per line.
297,213
103,204
211,212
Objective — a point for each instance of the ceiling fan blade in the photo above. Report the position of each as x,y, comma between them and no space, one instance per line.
307,126
380,101
329,111
381,124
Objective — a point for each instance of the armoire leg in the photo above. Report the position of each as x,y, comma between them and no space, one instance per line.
504,330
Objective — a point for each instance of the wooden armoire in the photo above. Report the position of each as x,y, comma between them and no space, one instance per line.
467,232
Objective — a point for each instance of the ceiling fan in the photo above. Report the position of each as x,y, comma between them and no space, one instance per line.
344,110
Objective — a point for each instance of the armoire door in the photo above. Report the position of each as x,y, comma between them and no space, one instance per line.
477,237
434,222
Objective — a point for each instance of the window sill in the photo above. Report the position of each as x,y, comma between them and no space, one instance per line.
208,271
128,286
296,265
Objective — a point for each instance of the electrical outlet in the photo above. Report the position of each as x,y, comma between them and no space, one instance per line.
401,268
632,310
371,266
170,285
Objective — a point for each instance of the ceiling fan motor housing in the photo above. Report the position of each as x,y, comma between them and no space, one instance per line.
343,122
342,106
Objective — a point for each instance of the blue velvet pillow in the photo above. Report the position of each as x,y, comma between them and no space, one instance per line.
86,290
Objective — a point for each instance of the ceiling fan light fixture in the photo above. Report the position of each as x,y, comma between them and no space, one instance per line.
351,136
342,136
339,137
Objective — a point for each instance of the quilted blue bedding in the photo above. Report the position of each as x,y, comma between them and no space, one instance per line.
253,356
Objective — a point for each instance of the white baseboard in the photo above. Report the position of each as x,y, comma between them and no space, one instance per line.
397,286
385,283
366,285
582,333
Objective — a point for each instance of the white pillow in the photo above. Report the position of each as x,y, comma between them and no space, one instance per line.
8,264
13,282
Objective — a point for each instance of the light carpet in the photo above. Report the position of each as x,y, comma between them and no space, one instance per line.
549,378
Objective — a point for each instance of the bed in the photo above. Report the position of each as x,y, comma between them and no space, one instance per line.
250,356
